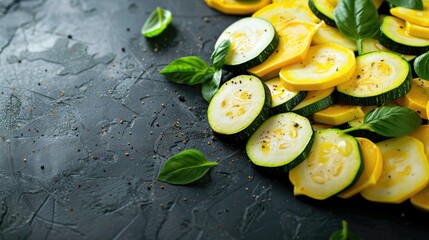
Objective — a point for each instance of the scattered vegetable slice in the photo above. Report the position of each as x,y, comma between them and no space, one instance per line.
283,100
324,10
372,45
421,199
419,17
328,34
237,7
417,98
315,101
157,22
337,114
416,30
413,4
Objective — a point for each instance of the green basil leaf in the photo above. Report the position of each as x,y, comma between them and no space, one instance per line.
357,19
219,54
209,88
392,121
185,167
414,4
188,70
421,66
343,234
157,22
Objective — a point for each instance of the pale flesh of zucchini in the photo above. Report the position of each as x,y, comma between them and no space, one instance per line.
281,95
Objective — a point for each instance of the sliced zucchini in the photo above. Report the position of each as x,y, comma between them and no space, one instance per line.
373,165
333,164
314,101
372,45
338,114
253,40
421,199
239,107
283,100
328,34
419,17
280,14
416,30
393,36
282,141
379,77
417,98
237,7
324,66
405,171
324,10
294,42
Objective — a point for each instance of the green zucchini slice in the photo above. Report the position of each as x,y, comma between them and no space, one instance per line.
393,36
314,102
253,40
282,141
380,77
283,100
334,163
324,10
239,107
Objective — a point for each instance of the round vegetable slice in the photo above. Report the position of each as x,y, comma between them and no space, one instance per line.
372,45
324,66
421,199
338,114
283,100
284,140
417,98
239,107
253,40
419,17
328,34
422,134
333,164
405,171
315,101
237,7
416,30
324,10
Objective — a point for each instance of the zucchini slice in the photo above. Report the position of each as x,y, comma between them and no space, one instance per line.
328,34
253,40
325,66
333,164
283,100
379,77
373,165
372,45
283,140
393,36
417,98
324,10
416,30
314,101
294,42
237,7
419,17
405,171
239,107
338,114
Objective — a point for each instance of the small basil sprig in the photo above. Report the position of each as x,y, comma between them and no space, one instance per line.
185,167
414,4
421,66
390,121
343,234
157,22
193,70
357,20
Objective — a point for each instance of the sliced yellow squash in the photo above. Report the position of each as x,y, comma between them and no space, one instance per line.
328,34
373,165
419,17
405,171
338,114
422,134
427,109
325,66
280,14
416,30
371,45
237,7
294,42
421,199
417,98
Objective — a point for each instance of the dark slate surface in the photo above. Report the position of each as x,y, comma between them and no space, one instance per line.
86,122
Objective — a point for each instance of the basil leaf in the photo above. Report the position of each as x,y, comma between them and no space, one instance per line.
185,167
209,88
414,4
157,22
188,70
357,19
219,54
343,234
392,121
421,66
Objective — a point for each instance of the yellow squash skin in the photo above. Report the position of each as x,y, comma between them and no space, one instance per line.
417,98
405,171
416,30
236,7
419,17
421,199
373,165
338,114
325,66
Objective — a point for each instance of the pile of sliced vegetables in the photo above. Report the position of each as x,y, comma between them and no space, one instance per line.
329,97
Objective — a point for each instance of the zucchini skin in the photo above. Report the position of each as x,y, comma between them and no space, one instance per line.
289,105
399,47
316,106
320,15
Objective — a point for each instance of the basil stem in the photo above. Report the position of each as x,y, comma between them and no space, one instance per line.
414,4
157,22
421,66
390,121
343,234
185,167
357,20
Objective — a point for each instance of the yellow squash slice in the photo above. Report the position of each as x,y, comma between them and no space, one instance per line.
294,42
427,109
405,171
416,30
422,134
325,66
419,17
237,7
338,114
373,165
417,98
421,199
328,34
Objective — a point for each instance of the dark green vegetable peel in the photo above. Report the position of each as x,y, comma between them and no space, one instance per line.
414,4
